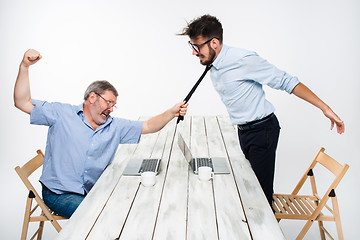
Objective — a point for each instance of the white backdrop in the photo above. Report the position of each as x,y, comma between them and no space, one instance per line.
133,44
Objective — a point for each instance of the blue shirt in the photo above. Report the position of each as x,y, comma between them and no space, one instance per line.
238,75
76,155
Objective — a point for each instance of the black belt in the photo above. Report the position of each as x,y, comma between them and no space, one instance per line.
251,124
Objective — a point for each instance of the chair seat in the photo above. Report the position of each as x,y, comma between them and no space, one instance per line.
287,206
294,206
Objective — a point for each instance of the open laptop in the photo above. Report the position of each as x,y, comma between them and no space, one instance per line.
218,164
136,166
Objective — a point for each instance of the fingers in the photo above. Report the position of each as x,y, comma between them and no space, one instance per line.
335,120
181,109
340,127
31,56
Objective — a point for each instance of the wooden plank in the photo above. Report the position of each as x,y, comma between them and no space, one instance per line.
279,205
172,216
287,208
310,204
77,227
300,201
201,212
231,219
145,207
296,204
260,217
292,206
113,217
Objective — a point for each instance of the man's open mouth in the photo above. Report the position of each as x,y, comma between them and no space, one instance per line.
105,113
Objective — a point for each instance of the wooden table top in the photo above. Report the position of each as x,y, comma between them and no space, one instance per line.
179,205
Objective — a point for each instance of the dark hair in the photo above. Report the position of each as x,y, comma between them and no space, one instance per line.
206,26
99,87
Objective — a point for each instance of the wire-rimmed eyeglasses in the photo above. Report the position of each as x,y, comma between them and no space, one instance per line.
109,103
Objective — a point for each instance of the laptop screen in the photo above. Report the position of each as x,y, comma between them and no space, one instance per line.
184,148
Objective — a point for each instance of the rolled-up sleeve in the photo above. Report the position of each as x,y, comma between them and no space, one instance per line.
43,113
130,131
258,69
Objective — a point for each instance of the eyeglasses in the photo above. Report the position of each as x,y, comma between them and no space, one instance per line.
197,47
109,103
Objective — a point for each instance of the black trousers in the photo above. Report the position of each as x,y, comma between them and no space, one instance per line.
259,146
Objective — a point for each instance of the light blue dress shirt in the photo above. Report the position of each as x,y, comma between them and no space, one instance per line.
76,155
238,75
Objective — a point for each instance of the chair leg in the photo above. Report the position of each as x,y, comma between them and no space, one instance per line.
322,233
56,225
40,230
337,217
304,230
26,218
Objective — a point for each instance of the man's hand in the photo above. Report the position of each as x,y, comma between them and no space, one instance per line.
335,120
31,56
156,123
179,109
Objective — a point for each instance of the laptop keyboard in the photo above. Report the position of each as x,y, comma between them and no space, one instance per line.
201,162
149,165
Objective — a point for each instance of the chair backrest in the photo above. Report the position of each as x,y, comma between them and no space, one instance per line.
28,168
330,164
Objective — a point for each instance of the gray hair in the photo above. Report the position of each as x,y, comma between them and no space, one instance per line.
100,87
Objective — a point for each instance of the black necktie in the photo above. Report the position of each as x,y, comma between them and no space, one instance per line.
180,118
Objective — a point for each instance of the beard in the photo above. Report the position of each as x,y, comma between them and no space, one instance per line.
104,115
210,59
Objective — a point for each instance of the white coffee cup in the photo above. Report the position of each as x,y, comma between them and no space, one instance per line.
205,173
148,179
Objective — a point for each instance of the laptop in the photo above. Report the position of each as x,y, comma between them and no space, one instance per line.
218,164
136,166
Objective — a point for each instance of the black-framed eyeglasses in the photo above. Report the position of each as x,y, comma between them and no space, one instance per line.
109,103
197,47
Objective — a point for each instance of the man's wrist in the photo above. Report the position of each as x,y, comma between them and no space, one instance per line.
23,66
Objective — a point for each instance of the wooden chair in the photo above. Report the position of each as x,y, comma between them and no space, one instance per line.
46,215
310,207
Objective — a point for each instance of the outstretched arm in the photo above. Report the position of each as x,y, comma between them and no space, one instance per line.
22,95
156,123
306,94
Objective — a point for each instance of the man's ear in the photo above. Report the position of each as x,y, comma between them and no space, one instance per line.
215,43
92,97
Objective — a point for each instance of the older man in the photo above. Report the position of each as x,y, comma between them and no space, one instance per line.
82,139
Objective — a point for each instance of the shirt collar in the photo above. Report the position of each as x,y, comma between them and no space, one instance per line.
79,108
219,58
80,112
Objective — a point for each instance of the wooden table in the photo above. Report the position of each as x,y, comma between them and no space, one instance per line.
179,206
